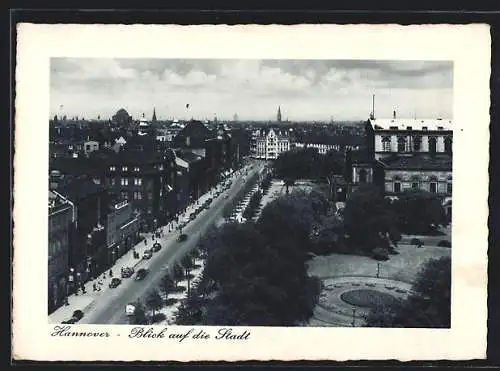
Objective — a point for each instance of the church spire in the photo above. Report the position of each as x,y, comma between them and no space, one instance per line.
279,114
154,115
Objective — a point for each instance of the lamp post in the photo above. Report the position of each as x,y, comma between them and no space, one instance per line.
378,269
78,282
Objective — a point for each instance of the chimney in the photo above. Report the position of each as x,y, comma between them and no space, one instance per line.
394,115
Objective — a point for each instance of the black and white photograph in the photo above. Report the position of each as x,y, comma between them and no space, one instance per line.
250,192
224,196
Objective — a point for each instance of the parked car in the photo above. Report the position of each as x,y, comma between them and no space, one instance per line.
115,282
141,273
156,246
148,254
127,272
192,216
182,237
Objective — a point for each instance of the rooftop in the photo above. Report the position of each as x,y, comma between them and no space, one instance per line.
411,124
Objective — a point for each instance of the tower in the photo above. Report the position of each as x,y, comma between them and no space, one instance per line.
154,115
279,114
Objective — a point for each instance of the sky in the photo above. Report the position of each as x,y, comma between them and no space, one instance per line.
311,90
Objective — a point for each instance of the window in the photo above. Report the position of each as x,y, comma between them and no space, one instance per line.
397,187
417,143
124,168
160,167
124,182
401,144
137,196
136,169
137,181
386,144
414,185
448,145
362,176
393,128
448,188
124,195
112,168
433,187
112,181
432,144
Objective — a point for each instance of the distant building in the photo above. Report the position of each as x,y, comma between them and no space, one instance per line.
268,143
278,115
90,146
61,218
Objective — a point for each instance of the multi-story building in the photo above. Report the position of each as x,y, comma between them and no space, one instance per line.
407,154
61,218
122,229
268,143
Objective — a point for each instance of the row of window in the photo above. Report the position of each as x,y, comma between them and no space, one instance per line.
124,181
135,168
136,195
433,186
404,144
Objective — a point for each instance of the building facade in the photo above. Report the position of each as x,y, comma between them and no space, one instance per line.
268,144
407,154
61,217
122,229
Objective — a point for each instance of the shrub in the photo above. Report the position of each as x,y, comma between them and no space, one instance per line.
380,253
444,243
158,317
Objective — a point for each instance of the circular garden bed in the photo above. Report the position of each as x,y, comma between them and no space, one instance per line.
367,298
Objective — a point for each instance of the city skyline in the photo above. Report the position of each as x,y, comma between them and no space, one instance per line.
307,90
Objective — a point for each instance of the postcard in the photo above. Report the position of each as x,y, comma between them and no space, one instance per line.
251,192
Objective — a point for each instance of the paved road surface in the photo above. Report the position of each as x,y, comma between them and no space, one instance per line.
111,309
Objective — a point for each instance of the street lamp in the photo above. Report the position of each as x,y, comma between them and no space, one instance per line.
378,269
70,282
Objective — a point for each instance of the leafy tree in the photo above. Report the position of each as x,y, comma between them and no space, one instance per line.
154,301
427,307
166,285
369,220
139,316
417,211
178,273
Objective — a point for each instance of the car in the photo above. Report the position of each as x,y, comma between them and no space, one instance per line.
127,272
148,254
192,216
182,237
226,196
115,282
141,273
156,246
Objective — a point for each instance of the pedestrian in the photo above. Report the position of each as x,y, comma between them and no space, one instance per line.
111,273
94,286
83,289
145,241
104,275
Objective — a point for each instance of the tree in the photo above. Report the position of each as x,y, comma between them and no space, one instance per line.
166,285
139,316
369,220
418,211
154,301
429,306
178,273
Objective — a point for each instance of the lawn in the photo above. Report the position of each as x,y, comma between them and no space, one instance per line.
368,298
401,267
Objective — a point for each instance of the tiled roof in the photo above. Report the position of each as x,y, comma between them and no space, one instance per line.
80,188
415,162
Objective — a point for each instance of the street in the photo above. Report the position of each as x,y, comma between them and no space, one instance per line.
110,308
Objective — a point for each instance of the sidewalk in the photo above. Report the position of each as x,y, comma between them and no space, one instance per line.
85,302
